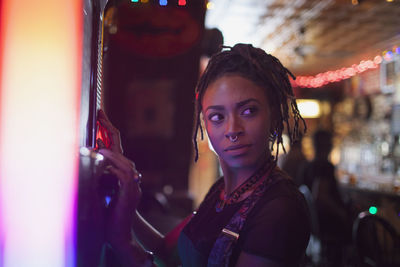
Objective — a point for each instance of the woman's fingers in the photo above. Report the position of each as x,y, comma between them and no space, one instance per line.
122,167
129,179
100,143
124,203
119,161
101,115
113,132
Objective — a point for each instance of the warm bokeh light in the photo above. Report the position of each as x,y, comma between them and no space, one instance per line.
210,5
388,55
40,61
182,2
309,108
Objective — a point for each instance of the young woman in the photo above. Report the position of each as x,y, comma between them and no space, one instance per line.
254,215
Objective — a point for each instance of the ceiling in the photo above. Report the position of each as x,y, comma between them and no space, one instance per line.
310,36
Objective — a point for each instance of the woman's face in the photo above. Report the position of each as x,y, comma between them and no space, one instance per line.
235,106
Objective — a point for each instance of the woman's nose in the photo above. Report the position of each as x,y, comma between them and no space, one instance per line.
234,127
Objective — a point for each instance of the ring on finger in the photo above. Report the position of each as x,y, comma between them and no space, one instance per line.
137,177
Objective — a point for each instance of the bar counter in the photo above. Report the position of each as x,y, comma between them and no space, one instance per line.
366,195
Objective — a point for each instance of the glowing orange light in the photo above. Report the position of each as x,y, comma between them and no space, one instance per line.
40,57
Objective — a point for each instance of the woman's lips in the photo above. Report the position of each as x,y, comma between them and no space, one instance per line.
237,149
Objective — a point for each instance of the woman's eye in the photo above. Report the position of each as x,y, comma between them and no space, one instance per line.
215,117
249,111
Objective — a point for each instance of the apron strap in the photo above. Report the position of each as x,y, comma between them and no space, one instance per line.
223,246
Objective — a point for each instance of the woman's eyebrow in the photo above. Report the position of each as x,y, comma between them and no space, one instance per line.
244,102
238,105
217,107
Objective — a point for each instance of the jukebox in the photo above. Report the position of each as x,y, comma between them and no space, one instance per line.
140,65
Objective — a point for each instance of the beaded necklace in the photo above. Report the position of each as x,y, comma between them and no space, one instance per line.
247,185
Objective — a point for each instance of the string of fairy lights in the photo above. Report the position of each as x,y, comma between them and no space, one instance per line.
161,2
327,77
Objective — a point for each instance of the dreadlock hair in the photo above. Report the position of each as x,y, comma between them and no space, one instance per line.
264,70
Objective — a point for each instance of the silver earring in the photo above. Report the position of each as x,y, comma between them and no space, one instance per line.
233,138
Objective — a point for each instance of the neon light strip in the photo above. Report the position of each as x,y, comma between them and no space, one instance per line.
322,79
39,105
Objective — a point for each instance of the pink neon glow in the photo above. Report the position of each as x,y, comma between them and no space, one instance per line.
40,61
324,78
378,60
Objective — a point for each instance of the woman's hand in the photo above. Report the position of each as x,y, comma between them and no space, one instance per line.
113,133
122,209
124,204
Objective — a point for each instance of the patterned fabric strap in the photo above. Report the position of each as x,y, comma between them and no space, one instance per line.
223,246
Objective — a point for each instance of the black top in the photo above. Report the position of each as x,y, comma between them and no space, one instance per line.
277,228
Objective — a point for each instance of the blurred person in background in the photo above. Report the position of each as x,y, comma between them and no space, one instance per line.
293,162
334,218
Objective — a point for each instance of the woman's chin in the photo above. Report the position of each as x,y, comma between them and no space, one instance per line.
241,162
245,161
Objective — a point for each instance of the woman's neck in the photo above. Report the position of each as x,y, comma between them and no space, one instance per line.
234,177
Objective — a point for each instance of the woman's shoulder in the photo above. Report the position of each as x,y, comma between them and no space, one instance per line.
280,199
281,185
278,226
